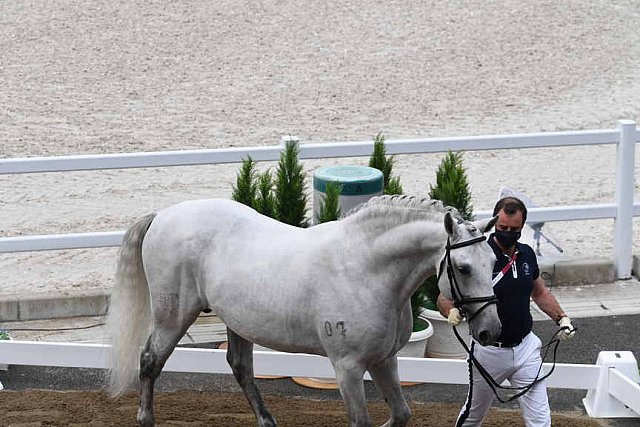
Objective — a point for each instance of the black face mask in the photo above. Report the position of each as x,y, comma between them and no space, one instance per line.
507,238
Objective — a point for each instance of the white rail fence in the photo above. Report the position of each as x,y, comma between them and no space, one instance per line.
625,136
612,384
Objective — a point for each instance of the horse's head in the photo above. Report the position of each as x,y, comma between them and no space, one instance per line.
465,276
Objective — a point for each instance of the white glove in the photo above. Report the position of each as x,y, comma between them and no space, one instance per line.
566,328
454,318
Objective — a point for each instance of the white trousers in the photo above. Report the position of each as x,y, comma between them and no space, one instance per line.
520,366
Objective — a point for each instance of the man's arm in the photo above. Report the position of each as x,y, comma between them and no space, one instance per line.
544,299
444,305
448,310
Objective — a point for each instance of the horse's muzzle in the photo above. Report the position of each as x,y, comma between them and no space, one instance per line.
486,327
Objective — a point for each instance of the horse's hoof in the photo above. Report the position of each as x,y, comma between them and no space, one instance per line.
145,420
146,423
267,421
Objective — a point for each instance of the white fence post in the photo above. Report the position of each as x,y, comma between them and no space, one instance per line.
623,225
617,394
284,139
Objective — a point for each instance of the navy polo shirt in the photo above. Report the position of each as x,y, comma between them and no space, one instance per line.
514,291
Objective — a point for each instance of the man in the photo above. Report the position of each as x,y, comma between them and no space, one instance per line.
516,356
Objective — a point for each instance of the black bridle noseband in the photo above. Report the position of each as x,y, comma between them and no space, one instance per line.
459,300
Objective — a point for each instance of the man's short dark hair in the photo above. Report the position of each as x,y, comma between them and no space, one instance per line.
511,205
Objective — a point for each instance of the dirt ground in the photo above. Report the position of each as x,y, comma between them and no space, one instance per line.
189,408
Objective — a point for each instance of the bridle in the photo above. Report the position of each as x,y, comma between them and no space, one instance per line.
459,300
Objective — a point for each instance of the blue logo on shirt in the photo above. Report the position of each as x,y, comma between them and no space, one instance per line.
526,269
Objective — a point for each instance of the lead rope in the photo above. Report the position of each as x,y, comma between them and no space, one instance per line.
467,408
493,384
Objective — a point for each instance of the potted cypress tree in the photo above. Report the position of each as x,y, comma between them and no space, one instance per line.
329,205
379,160
245,189
265,200
422,328
452,189
392,185
283,199
330,211
290,195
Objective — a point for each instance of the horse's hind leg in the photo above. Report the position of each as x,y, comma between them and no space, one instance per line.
169,327
385,377
240,358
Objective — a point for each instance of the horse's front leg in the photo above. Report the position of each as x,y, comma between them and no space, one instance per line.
385,377
349,375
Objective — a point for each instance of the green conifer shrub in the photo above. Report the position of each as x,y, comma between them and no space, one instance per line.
384,164
245,189
290,196
452,186
392,185
284,198
452,189
265,201
329,207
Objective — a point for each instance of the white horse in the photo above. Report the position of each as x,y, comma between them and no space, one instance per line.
340,289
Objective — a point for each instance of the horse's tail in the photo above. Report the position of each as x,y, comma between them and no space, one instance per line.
129,315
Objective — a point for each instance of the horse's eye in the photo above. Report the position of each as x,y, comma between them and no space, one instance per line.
464,269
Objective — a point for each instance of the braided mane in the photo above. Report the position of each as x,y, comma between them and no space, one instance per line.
405,208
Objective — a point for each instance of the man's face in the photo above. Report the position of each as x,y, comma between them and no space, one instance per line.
509,222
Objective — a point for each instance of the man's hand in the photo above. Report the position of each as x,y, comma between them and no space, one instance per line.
454,318
566,328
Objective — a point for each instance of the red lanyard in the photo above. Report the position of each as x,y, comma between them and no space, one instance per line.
500,275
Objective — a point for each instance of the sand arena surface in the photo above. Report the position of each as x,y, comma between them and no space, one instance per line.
188,408
82,77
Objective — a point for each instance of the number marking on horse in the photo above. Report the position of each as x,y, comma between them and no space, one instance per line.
339,328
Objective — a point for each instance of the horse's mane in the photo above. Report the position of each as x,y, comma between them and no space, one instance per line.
410,207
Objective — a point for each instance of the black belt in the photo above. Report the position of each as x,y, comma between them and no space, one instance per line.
507,344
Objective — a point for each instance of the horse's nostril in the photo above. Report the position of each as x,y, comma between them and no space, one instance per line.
484,337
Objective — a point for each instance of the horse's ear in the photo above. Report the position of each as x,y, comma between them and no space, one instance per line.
451,225
486,224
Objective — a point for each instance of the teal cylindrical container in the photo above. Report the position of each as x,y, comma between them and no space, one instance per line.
357,185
